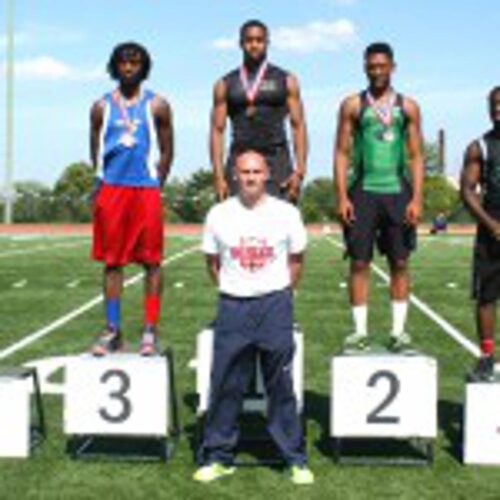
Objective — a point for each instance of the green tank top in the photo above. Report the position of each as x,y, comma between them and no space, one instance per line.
379,154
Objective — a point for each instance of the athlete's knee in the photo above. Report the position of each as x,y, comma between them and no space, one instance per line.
112,269
152,269
359,266
398,265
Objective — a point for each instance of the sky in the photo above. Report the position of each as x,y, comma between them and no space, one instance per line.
445,53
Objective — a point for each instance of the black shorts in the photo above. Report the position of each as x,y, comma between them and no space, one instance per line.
380,219
486,266
280,168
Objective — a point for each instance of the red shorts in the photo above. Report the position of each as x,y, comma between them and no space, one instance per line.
128,226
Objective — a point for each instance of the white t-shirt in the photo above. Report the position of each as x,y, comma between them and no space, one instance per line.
253,244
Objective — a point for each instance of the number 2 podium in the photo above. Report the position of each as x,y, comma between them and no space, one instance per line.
125,400
386,400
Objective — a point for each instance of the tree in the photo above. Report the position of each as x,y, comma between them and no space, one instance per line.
440,196
33,202
73,191
318,200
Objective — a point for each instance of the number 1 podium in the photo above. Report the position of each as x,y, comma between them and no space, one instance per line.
383,403
482,421
119,405
20,400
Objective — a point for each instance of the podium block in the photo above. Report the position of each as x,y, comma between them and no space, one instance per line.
117,395
383,396
256,402
482,423
17,432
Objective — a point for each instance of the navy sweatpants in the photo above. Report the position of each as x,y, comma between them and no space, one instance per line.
244,327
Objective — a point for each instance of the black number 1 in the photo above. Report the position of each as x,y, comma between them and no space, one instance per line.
374,417
119,395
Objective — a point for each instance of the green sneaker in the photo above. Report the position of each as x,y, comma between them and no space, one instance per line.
356,342
211,472
400,343
301,474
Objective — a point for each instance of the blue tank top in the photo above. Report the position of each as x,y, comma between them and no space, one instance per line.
127,142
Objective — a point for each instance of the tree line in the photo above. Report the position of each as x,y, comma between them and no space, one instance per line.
188,200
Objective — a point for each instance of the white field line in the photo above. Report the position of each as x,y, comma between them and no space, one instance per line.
41,248
35,336
20,284
73,284
449,329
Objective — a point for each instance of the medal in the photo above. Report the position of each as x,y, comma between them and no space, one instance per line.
128,140
383,112
251,111
251,90
388,135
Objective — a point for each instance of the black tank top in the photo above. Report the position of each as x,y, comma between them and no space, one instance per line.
490,170
264,131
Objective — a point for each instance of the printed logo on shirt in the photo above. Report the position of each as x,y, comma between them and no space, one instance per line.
252,253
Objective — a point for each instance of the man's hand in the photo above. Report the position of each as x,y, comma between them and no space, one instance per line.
494,228
221,188
413,212
345,211
292,186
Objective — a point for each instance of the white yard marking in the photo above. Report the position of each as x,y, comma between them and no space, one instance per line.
449,329
179,284
73,284
20,284
451,284
41,248
43,332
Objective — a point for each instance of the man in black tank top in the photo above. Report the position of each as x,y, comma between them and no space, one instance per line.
482,169
257,98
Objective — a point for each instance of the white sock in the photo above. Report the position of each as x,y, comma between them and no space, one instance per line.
399,313
360,318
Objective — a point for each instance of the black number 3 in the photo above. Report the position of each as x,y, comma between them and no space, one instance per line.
374,417
119,395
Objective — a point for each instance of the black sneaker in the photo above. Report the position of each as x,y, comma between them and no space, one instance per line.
485,370
108,341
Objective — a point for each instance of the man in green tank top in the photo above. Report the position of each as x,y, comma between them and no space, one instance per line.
379,171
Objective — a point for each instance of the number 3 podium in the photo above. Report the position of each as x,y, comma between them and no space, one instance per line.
382,397
121,396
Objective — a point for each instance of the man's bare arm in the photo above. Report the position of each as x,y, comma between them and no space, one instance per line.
415,148
348,114
165,132
218,121
213,267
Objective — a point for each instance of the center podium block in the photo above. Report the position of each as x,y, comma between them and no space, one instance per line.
383,396
117,395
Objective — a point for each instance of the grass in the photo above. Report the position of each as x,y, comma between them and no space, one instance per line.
441,270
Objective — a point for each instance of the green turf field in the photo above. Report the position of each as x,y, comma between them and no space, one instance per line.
43,279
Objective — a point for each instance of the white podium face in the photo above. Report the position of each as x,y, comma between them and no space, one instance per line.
384,396
122,394
15,417
482,424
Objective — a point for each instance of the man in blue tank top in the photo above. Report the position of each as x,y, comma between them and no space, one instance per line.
127,126
258,97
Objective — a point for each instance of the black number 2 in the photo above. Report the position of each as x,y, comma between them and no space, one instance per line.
374,417
119,395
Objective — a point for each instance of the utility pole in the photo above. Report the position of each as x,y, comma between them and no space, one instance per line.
8,192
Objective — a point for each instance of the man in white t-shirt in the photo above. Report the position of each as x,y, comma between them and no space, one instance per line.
254,245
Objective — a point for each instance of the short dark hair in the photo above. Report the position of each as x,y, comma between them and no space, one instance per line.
493,91
253,23
379,48
121,51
